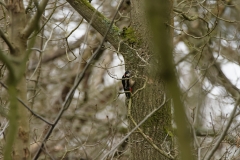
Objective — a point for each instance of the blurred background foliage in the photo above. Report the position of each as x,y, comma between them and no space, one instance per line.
206,55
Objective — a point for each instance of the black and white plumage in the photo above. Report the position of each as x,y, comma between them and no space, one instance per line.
126,84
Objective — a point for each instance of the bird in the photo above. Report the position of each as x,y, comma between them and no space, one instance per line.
127,85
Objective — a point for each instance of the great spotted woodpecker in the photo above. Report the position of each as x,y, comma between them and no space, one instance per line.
127,83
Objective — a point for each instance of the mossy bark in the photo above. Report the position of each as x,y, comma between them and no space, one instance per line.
159,125
17,142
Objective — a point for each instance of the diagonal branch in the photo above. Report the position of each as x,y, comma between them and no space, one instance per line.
31,26
212,70
28,108
100,23
96,20
8,62
216,75
3,4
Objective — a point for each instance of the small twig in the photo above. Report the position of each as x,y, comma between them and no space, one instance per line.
214,132
229,21
70,150
68,48
139,89
40,61
4,128
141,57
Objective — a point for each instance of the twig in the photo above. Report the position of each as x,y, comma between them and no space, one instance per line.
4,128
68,48
40,61
139,89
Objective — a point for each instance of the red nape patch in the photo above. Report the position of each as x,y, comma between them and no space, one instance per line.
130,89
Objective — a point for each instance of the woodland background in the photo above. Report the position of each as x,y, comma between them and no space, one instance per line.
45,46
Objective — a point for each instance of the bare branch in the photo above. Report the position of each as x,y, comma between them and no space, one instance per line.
30,27
5,38
8,63
4,128
3,4
99,22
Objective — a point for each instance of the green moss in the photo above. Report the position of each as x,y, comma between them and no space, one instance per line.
86,2
169,131
114,30
128,35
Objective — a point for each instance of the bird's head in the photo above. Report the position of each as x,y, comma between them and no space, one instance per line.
127,74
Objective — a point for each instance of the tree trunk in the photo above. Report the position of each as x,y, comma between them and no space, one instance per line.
17,146
158,126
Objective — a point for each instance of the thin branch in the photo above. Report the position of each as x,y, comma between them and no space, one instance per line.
229,21
8,63
30,110
139,89
99,22
40,61
10,45
46,21
3,4
4,128
213,150
185,16
58,53
31,25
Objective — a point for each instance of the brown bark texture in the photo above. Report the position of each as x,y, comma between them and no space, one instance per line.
157,127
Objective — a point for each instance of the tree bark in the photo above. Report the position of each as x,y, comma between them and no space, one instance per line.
17,142
18,132
160,20
158,126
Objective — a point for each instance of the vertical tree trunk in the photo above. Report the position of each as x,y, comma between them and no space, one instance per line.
18,114
157,127
159,21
